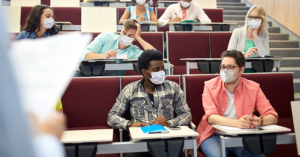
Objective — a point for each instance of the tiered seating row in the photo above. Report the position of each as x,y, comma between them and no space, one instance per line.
87,101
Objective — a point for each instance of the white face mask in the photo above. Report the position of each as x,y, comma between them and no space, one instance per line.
125,40
185,4
157,77
254,23
227,76
140,2
48,23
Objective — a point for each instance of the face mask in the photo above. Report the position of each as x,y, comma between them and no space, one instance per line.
48,23
227,76
185,4
254,23
140,2
125,40
157,77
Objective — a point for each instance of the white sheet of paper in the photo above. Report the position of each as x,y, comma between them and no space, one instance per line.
122,56
44,68
228,128
272,127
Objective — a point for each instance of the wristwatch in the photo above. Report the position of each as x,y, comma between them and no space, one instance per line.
261,121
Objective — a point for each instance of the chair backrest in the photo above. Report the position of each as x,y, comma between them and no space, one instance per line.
120,12
219,43
153,38
187,45
87,101
216,15
277,87
72,14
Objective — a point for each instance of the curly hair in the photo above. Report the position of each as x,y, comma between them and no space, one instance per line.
33,21
236,55
147,56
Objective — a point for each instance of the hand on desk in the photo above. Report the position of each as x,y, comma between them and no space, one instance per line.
110,53
161,120
244,122
251,51
141,18
138,124
256,121
176,19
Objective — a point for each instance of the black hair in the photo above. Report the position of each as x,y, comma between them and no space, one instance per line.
147,56
33,21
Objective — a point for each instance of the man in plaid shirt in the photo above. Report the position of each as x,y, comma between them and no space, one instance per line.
152,100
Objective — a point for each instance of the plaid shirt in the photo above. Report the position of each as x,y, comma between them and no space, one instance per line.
168,97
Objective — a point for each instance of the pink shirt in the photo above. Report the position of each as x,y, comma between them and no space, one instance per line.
248,96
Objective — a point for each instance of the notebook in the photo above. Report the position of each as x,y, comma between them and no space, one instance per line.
154,129
264,129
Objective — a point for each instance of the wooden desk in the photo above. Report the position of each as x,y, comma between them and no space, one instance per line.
25,3
153,26
65,3
296,119
85,136
98,19
137,133
199,26
191,64
185,132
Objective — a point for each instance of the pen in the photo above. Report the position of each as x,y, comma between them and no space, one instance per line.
254,112
175,14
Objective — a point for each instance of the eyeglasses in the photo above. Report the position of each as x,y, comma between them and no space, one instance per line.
254,17
229,67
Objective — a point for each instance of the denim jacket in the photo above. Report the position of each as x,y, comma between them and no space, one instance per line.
168,99
30,35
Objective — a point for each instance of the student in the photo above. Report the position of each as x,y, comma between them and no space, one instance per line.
152,100
183,10
253,38
109,44
140,12
230,100
39,24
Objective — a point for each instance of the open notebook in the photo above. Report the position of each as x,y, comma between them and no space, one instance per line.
264,129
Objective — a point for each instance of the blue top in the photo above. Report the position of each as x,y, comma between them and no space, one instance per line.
109,41
30,35
147,19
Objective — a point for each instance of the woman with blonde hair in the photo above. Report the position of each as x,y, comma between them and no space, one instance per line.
253,38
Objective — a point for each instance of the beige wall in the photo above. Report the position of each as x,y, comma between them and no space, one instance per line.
287,12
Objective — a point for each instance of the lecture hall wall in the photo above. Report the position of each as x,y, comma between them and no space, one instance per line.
287,12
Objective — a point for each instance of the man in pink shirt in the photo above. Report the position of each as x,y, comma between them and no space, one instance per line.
230,100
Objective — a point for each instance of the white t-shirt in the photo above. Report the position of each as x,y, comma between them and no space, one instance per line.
230,111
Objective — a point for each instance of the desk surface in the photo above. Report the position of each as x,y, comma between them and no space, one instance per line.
137,133
166,2
216,59
204,24
112,60
147,22
83,136
63,22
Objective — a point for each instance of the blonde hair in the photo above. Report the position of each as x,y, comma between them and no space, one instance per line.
264,25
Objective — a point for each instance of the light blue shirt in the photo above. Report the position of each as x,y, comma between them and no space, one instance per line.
147,18
109,41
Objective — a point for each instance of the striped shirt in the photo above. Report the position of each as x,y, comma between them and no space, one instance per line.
168,99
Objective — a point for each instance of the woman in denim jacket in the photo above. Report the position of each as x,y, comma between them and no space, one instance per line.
39,24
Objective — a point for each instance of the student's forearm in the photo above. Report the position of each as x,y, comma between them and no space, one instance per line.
220,120
144,44
92,55
122,21
269,120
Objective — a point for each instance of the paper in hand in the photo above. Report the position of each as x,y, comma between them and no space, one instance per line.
120,56
44,68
